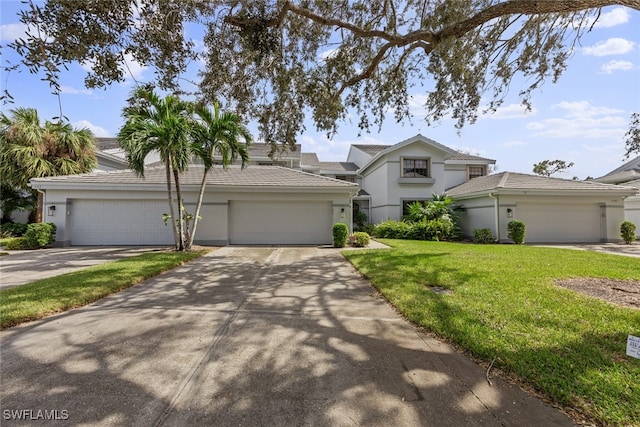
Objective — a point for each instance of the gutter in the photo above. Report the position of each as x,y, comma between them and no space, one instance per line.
496,204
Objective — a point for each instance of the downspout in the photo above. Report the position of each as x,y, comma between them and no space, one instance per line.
496,206
44,203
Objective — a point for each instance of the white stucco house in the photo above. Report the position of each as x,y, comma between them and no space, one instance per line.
258,205
553,210
628,175
291,197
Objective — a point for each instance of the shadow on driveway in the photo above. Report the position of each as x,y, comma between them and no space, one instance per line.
252,336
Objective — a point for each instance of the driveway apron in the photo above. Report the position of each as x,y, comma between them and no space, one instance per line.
250,336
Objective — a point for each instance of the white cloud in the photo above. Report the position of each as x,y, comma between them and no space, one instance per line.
616,16
512,144
613,46
417,105
11,32
616,65
74,91
582,120
97,130
511,111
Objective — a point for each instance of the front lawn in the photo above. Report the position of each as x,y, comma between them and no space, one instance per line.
503,304
53,295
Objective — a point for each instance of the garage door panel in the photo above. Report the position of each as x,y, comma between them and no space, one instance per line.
280,222
119,222
561,223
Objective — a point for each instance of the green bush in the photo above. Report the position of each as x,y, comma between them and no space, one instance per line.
391,229
12,229
483,235
15,244
368,228
340,235
628,232
39,235
360,239
516,231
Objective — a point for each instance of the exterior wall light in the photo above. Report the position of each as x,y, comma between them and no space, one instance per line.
52,210
510,213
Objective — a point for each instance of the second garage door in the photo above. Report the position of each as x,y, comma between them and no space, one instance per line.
280,222
564,223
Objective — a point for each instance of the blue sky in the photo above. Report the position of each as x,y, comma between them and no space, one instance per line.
582,118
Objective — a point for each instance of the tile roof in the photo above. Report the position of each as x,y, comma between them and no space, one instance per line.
464,156
309,159
370,149
106,143
631,165
338,166
259,149
519,181
254,176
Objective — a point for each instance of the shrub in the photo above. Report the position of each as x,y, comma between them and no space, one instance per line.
483,235
340,235
628,232
368,228
391,229
15,244
516,231
12,229
359,220
39,235
360,239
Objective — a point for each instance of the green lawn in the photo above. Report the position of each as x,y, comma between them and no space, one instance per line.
504,305
48,296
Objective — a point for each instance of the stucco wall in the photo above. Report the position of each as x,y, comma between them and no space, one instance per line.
632,211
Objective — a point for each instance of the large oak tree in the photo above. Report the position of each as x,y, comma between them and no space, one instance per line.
279,60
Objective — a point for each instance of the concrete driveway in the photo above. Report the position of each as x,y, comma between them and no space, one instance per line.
20,267
250,336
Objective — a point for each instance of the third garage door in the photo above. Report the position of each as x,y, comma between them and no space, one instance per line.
561,223
280,222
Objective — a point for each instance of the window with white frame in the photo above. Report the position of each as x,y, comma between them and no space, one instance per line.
476,171
415,168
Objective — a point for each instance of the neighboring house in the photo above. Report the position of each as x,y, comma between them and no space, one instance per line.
257,205
628,175
553,210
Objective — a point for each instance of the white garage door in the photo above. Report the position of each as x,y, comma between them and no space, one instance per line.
564,223
119,222
280,222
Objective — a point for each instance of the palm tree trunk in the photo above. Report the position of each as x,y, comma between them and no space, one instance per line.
180,209
171,209
198,205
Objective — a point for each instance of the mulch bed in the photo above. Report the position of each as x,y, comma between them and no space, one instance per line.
621,292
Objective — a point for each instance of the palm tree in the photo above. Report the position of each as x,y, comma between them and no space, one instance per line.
217,133
31,150
162,125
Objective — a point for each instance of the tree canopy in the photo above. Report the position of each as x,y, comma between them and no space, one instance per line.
549,167
279,60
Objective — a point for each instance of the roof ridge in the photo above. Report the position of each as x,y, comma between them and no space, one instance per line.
503,180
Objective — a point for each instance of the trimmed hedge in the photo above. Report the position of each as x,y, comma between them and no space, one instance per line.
360,239
340,235
483,235
516,231
628,232
38,235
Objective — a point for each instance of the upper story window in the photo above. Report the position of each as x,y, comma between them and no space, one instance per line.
476,171
415,168
349,178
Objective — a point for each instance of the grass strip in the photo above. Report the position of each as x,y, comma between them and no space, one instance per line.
503,304
60,293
